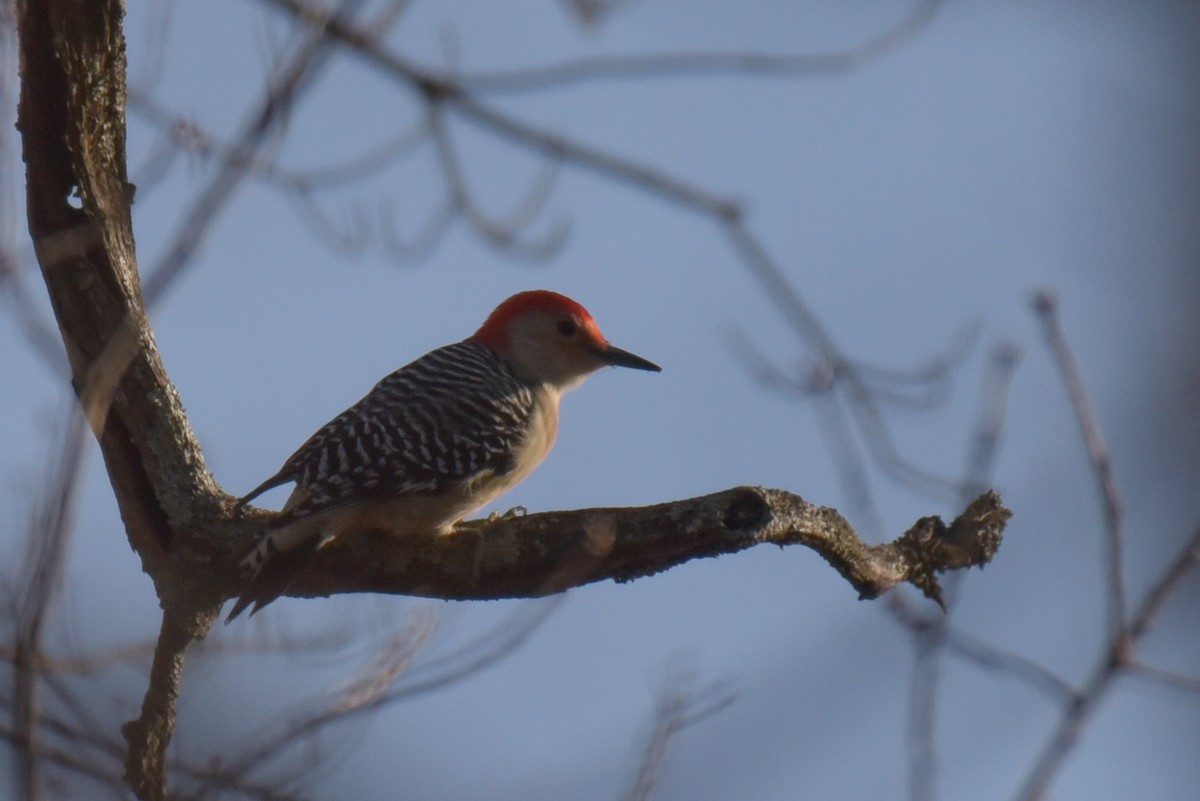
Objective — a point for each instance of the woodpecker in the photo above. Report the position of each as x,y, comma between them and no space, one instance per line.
435,440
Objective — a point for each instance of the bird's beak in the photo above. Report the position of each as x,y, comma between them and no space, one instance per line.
623,358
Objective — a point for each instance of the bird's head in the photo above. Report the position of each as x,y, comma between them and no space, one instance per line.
550,339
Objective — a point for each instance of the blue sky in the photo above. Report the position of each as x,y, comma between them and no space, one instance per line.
1007,148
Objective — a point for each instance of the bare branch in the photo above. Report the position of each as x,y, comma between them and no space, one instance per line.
1119,654
481,652
990,657
427,237
546,553
817,383
679,706
347,235
922,712
993,408
93,662
384,668
71,760
38,332
47,542
862,401
924,386
284,88
182,134
1158,594
1167,678
1070,727
1046,307
931,634
149,735
500,234
836,62
416,680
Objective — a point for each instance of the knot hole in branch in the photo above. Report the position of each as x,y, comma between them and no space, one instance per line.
746,509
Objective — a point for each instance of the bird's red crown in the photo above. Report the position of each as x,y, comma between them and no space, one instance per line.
494,331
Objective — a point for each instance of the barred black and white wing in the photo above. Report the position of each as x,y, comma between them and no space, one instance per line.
445,419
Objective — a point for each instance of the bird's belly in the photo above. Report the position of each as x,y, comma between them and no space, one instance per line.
422,514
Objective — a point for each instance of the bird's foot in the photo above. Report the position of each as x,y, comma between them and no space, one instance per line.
511,514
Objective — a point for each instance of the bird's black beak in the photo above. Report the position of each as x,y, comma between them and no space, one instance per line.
623,358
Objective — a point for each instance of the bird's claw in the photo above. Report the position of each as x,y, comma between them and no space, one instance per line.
511,514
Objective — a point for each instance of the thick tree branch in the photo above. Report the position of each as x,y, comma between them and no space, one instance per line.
546,553
72,121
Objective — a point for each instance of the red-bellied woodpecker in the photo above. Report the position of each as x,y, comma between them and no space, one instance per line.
435,440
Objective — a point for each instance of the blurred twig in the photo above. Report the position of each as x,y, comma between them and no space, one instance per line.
1046,307
46,544
391,677
284,88
991,657
703,64
932,633
500,234
1115,659
1167,678
679,705
1119,653
986,439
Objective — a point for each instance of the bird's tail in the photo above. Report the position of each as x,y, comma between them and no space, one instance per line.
272,570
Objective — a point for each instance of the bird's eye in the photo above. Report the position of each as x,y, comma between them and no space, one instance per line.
567,327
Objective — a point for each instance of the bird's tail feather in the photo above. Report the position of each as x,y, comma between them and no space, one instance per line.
273,577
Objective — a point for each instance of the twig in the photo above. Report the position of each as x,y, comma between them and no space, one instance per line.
482,652
1119,654
426,238
702,64
284,88
1158,594
1071,724
1046,307
1167,678
187,136
502,235
990,657
678,707
922,712
47,544
985,442
72,761
862,400
932,633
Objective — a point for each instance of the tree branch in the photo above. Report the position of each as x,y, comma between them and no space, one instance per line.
149,735
72,121
541,554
